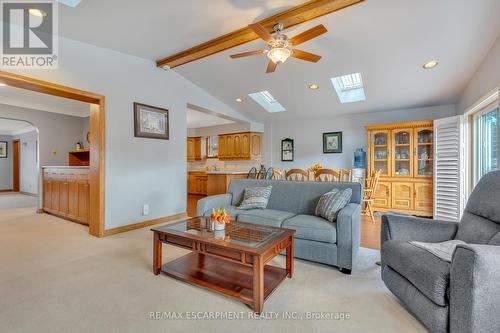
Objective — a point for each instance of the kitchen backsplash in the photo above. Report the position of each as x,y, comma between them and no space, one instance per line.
213,163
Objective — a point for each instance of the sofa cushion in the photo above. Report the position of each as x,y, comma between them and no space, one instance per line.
425,271
270,217
255,198
312,228
330,203
233,211
291,196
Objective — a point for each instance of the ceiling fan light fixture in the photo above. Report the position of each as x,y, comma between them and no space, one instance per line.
279,55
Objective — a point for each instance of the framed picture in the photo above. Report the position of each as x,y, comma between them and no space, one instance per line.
150,122
287,150
332,142
3,149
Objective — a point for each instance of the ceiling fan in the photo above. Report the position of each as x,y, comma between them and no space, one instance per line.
281,47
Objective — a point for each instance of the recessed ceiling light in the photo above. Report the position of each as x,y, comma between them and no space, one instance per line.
239,100
430,64
37,12
313,86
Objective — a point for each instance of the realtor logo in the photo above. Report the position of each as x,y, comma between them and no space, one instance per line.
29,34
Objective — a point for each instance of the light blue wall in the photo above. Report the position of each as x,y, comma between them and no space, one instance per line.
6,165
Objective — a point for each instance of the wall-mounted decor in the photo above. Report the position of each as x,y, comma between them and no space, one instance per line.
287,150
150,122
3,149
332,142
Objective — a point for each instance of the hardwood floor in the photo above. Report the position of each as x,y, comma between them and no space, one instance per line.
370,231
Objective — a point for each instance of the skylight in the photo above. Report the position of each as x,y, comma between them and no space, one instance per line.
349,88
267,101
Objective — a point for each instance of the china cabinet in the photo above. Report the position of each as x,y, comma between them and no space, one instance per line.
404,153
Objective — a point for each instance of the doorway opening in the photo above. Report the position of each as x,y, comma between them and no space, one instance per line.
96,141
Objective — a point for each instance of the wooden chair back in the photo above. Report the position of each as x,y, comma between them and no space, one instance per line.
372,184
326,175
297,175
344,175
277,174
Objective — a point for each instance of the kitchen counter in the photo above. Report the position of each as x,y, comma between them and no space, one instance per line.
64,167
224,172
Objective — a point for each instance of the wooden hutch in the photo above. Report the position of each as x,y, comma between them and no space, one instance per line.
404,152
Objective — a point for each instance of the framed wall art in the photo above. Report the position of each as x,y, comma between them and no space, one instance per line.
3,149
332,142
150,122
287,150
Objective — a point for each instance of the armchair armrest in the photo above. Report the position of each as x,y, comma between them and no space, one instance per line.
474,289
410,228
213,201
348,234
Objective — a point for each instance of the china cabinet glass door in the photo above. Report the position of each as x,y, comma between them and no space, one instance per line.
380,152
402,147
424,141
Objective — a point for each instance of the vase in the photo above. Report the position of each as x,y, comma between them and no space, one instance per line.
219,226
220,234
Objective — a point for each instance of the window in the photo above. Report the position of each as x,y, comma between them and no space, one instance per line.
349,88
267,101
485,141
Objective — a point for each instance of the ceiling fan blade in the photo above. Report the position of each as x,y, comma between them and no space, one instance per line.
247,54
271,67
303,55
308,34
261,32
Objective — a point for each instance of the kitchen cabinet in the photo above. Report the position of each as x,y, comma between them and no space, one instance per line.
240,146
197,183
194,148
218,182
404,153
66,193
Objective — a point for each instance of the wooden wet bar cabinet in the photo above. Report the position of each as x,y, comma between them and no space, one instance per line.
66,192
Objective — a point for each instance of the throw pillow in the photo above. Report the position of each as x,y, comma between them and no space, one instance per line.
330,203
255,198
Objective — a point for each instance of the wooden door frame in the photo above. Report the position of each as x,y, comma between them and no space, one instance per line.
16,172
97,138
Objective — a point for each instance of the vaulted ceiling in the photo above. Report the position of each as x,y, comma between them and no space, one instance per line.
386,40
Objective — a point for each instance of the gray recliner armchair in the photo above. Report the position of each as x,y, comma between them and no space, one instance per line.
461,296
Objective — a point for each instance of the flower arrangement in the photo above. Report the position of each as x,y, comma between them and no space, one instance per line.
220,216
315,167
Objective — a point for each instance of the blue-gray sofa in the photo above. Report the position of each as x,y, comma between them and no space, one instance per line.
292,205
461,296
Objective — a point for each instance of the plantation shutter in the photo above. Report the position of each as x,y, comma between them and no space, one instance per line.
449,168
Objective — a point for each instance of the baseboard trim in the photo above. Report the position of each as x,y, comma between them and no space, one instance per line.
11,190
143,224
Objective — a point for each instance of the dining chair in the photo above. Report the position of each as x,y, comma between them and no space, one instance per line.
369,194
277,174
344,175
252,174
297,175
326,175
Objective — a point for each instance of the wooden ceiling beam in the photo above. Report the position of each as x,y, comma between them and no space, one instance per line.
289,18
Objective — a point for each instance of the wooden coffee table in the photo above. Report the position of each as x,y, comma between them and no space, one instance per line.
233,262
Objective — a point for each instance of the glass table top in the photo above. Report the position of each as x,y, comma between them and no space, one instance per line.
244,234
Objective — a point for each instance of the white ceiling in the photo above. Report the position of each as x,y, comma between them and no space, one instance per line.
197,119
38,101
386,40
14,127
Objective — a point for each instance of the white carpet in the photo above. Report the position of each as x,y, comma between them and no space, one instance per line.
54,277
16,200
